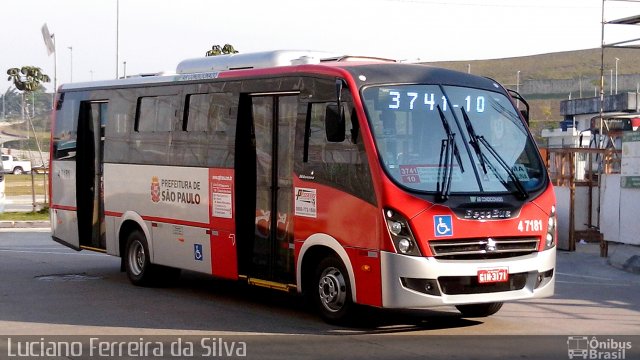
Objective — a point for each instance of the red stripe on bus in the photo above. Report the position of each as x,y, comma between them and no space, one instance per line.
63,207
162,220
147,218
176,221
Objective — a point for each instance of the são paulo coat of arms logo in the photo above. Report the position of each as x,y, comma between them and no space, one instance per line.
155,189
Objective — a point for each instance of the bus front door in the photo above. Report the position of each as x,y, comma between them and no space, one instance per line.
89,179
264,167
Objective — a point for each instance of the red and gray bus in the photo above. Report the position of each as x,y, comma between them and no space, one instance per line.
348,180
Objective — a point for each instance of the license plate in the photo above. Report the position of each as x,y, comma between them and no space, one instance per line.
487,276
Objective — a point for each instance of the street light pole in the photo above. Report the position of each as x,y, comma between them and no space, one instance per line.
55,72
611,81
580,84
117,35
617,74
71,63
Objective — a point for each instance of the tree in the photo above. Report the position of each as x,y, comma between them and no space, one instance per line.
224,50
27,78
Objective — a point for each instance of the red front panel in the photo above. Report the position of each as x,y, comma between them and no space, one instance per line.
355,223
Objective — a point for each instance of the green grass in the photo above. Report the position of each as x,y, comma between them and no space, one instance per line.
21,184
41,215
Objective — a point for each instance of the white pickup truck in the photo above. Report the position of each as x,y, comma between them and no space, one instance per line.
12,166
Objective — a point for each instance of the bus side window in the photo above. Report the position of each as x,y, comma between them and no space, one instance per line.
65,131
206,135
317,146
155,113
206,112
340,164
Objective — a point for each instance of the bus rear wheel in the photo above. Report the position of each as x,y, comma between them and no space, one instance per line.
479,310
332,291
139,269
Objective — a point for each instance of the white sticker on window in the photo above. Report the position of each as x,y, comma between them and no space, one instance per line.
306,204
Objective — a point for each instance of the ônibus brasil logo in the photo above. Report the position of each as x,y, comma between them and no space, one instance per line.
595,348
155,189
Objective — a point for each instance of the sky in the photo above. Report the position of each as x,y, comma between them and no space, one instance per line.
93,36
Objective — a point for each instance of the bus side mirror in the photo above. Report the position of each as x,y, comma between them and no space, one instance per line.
334,124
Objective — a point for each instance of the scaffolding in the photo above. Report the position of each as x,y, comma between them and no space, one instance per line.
628,43
562,164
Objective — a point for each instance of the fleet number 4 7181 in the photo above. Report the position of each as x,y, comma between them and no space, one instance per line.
530,225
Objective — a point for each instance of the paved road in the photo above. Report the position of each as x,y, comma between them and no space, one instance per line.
47,290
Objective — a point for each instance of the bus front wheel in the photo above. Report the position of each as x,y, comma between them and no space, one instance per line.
479,310
332,291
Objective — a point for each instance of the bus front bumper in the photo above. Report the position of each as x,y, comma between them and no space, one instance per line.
422,282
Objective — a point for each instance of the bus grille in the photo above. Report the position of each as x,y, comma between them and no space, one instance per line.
461,285
488,248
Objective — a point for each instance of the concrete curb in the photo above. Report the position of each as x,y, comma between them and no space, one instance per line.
624,257
10,224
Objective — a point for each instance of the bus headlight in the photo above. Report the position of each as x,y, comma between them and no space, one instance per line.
403,239
395,228
404,245
550,239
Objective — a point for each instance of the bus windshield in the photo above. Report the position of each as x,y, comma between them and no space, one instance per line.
452,139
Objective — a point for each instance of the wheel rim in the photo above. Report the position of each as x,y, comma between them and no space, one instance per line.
332,289
137,258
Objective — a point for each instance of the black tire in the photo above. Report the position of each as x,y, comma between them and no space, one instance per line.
140,270
331,291
479,310
17,170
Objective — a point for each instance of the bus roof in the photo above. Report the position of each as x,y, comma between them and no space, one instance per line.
284,61
209,67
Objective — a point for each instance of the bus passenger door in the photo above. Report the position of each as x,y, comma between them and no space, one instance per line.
264,167
89,178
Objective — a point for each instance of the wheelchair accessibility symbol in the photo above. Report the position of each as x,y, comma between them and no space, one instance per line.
197,252
443,225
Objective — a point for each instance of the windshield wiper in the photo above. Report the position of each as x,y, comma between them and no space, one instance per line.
474,139
475,142
448,151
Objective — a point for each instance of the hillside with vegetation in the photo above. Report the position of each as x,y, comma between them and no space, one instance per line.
553,66
580,66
